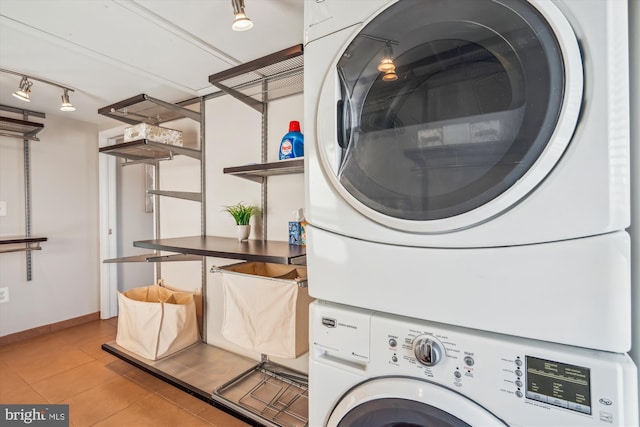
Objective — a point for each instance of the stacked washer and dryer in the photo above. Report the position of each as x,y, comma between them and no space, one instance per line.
467,170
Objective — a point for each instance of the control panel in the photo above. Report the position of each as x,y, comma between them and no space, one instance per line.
519,380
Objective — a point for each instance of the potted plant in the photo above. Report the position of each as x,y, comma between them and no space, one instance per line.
242,214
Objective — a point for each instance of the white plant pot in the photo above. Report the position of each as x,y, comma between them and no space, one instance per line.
243,231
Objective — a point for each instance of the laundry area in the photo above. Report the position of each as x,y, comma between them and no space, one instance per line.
336,213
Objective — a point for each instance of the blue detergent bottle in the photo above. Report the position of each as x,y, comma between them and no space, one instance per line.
292,144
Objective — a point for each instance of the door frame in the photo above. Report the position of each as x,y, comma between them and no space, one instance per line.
108,225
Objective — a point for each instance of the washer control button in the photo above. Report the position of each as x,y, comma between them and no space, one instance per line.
519,383
519,393
518,362
468,360
428,350
518,372
393,342
457,374
394,358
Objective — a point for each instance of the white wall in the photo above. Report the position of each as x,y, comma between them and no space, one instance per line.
233,139
133,223
634,28
64,183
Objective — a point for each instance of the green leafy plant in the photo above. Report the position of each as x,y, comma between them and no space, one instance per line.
242,213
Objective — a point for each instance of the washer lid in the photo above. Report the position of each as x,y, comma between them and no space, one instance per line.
390,402
449,113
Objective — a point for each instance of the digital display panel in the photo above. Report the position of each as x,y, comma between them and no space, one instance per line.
559,384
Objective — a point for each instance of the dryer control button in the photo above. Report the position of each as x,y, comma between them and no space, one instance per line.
518,372
393,342
469,361
518,362
519,383
519,393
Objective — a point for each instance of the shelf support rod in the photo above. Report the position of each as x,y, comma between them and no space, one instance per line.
263,157
27,195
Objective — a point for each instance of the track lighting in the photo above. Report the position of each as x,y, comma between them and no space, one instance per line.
240,20
66,104
24,88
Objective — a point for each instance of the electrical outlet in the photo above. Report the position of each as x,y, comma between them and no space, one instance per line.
4,295
3,208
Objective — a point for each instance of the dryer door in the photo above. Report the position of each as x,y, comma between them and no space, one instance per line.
403,402
449,112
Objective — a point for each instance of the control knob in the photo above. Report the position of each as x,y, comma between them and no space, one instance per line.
428,350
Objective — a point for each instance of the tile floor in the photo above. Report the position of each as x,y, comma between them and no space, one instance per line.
70,367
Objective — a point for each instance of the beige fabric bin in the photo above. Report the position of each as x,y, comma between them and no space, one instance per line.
155,322
266,307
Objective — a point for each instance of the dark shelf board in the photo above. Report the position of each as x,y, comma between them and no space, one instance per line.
271,77
255,172
20,127
146,150
21,239
228,247
145,109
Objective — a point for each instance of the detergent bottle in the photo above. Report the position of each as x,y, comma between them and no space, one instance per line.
292,144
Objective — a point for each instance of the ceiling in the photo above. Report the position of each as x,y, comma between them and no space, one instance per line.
111,50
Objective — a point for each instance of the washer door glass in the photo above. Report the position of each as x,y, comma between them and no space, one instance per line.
445,106
399,413
404,402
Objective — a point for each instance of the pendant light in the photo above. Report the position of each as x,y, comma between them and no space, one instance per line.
24,88
240,20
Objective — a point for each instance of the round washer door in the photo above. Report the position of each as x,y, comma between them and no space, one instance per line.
404,402
440,115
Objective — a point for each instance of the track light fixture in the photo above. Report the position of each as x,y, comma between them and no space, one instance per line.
240,20
66,104
24,89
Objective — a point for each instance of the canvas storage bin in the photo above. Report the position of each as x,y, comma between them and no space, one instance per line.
155,322
266,307
153,133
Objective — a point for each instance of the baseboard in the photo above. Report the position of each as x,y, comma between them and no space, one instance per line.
47,329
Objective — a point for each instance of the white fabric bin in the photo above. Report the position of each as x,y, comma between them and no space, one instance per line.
266,307
155,322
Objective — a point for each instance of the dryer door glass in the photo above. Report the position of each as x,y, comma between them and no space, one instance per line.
446,105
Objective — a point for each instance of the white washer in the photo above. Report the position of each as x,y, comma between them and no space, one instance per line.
503,140
372,369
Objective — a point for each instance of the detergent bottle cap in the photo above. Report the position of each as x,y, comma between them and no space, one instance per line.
294,126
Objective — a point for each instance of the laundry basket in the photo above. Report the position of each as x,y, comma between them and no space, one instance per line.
266,307
155,322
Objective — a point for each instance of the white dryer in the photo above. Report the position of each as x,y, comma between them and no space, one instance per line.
371,370
468,160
